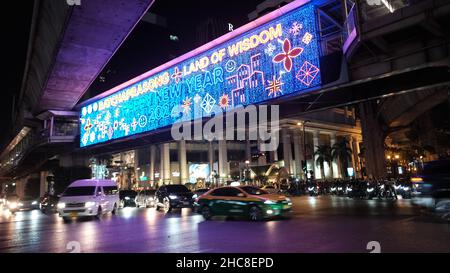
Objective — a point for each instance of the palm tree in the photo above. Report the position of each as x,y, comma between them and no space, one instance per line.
323,154
342,153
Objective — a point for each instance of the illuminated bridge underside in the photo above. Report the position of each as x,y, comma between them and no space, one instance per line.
71,45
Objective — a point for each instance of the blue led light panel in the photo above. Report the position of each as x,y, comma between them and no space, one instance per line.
274,59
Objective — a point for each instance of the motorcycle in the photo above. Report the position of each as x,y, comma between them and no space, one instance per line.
313,190
371,191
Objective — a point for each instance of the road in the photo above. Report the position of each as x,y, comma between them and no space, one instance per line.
319,224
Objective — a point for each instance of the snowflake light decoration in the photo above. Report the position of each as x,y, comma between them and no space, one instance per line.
307,38
208,103
295,28
307,73
287,55
270,49
186,105
274,86
224,101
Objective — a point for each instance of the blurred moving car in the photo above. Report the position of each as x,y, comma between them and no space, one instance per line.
247,201
270,188
431,187
145,198
199,192
48,204
88,197
28,203
127,198
12,202
169,197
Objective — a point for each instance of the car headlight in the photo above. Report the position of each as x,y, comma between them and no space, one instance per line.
34,203
370,190
20,204
89,204
194,196
406,188
288,199
269,202
61,205
127,198
397,187
349,189
173,197
12,205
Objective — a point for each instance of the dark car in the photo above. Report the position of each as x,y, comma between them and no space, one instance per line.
173,196
127,198
431,187
48,204
145,198
28,203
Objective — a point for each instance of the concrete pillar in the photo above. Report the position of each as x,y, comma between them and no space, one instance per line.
165,173
355,149
298,156
151,174
43,184
334,164
248,151
274,153
223,160
211,159
287,155
317,173
183,163
20,187
373,137
136,166
262,159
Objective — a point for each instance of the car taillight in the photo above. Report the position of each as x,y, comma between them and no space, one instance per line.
417,180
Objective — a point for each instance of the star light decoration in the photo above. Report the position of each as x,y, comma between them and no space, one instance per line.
224,101
270,49
177,75
186,105
208,103
295,28
134,124
287,55
274,86
307,73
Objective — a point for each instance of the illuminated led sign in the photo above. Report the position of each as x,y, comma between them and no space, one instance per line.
273,59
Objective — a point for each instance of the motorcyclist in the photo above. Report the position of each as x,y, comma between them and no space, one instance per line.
390,185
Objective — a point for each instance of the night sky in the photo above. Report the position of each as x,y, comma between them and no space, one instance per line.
147,46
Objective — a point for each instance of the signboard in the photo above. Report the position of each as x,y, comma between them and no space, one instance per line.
198,171
273,59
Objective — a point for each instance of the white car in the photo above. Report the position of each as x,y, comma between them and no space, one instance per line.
89,197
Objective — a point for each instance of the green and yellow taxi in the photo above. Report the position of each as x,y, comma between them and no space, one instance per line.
247,201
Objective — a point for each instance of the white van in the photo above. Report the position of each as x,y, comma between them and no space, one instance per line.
89,197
